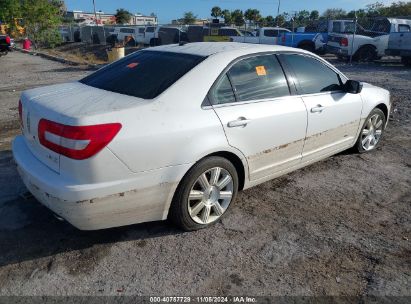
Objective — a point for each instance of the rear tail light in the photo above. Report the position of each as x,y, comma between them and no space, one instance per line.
76,142
283,38
21,113
8,40
344,41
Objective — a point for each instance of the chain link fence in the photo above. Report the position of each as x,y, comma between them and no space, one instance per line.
353,39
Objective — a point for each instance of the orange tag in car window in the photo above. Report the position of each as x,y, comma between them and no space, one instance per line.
132,65
261,70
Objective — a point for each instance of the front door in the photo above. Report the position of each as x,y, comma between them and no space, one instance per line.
333,115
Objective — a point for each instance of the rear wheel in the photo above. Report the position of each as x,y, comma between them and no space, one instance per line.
365,53
371,131
205,194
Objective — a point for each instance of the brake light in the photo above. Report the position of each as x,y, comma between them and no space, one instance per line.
344,41
283,38
8,40
76,142
21,113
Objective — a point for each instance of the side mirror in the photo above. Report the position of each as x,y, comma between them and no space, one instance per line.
353,87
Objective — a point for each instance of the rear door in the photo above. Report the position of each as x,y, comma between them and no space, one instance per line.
259,115
333,115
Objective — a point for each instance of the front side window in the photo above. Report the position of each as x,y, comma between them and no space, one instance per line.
312,75
144,74
259,77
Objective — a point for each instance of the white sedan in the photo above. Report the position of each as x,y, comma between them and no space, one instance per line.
176,131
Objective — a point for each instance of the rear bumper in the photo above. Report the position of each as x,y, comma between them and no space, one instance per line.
144,197
336,50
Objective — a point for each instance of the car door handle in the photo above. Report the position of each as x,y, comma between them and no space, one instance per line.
317,109
240,122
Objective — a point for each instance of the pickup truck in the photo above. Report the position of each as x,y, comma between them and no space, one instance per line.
313,38
264,35
5,45
399,44
365,45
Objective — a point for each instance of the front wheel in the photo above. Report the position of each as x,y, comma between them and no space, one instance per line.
371,131
205,194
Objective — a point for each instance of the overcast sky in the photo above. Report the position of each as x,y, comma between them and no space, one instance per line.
167,10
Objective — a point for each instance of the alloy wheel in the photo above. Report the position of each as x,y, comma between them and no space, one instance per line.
210,195
371,132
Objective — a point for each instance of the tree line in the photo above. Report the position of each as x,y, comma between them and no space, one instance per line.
253,17
40,19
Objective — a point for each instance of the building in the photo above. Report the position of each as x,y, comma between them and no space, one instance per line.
139,19
104,18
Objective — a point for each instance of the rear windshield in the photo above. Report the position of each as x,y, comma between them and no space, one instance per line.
144,74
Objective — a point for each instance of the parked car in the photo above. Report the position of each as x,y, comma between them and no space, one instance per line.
176,131
5,44
127,34
313,38
365,45
399,44
264,35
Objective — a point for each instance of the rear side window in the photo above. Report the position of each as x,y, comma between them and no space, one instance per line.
141,30
336,27
150,29
144,74
223,92
259,77
312,75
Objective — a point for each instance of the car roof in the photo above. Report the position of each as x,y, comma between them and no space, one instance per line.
210,48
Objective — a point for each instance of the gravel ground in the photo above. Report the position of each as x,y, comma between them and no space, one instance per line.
337,227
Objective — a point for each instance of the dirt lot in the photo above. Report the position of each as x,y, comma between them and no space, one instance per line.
339,227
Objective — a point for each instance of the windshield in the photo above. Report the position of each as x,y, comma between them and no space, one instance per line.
144,74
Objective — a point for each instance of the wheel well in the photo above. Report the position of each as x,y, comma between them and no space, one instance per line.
367,45
384,109
238,164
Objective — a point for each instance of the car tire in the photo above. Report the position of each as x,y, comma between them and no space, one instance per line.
205,194
371,132
366,53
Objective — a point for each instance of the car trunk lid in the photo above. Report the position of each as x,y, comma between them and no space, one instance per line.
68,104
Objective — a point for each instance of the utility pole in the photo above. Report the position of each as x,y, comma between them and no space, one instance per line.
95,13
278,12
278,8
